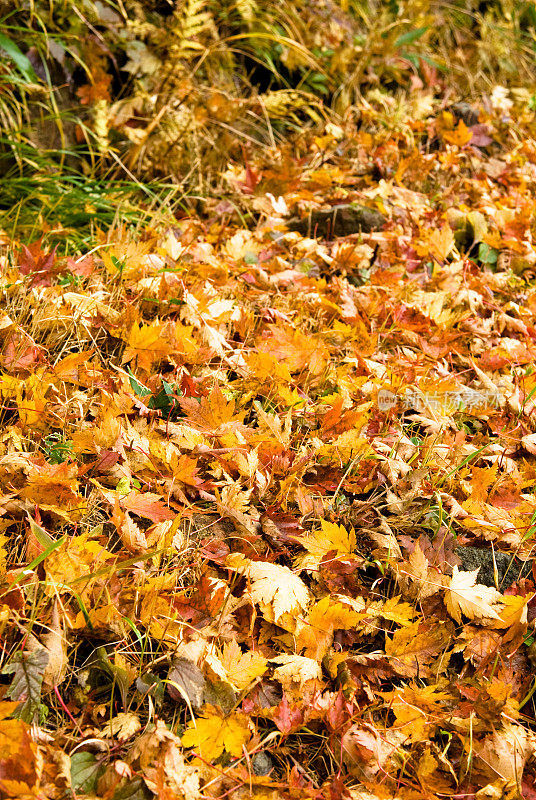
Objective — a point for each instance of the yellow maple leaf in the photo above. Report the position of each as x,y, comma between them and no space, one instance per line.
482,481
18,757
146,345
298,351
397,611
214,414
514,611
167,457
348,445
263,368
212,733
441,242
437,243
460,136
129,259
417,709
32,402
186,471
241,668
3,553
78,557
185,343
54,485
68,368
413,648
314,635
9,386
330,537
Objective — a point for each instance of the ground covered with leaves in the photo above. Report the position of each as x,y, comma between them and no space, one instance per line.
267,479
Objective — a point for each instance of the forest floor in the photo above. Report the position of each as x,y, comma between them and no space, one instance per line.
267,480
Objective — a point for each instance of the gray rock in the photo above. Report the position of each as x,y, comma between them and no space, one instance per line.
466,113
340,220
262,763
509,568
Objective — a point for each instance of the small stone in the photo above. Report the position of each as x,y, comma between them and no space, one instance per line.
262,763
340,220
465,112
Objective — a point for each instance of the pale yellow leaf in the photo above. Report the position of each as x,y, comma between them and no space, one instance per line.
122,726
465,596
278,592
296,669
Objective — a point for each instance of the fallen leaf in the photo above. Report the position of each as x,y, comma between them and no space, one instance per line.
122,727
213,732
280,594
465,596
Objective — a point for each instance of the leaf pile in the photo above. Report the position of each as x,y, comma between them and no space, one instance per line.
267,493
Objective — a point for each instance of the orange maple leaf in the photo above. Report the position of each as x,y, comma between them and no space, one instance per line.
18,756
297,350
212,414
460,136
146,345
147,505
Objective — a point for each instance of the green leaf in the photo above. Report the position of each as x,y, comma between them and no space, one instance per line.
119,265
22,62
165,400
27,670
410,36
135,789
123,486
487,254
137,387
84,772
412,58
433,63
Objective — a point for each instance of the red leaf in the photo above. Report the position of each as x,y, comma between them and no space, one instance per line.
150,506
287,718
33,261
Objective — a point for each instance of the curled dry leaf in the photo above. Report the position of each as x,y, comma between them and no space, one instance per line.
367,752
186,682
296,670
503,753
417,578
